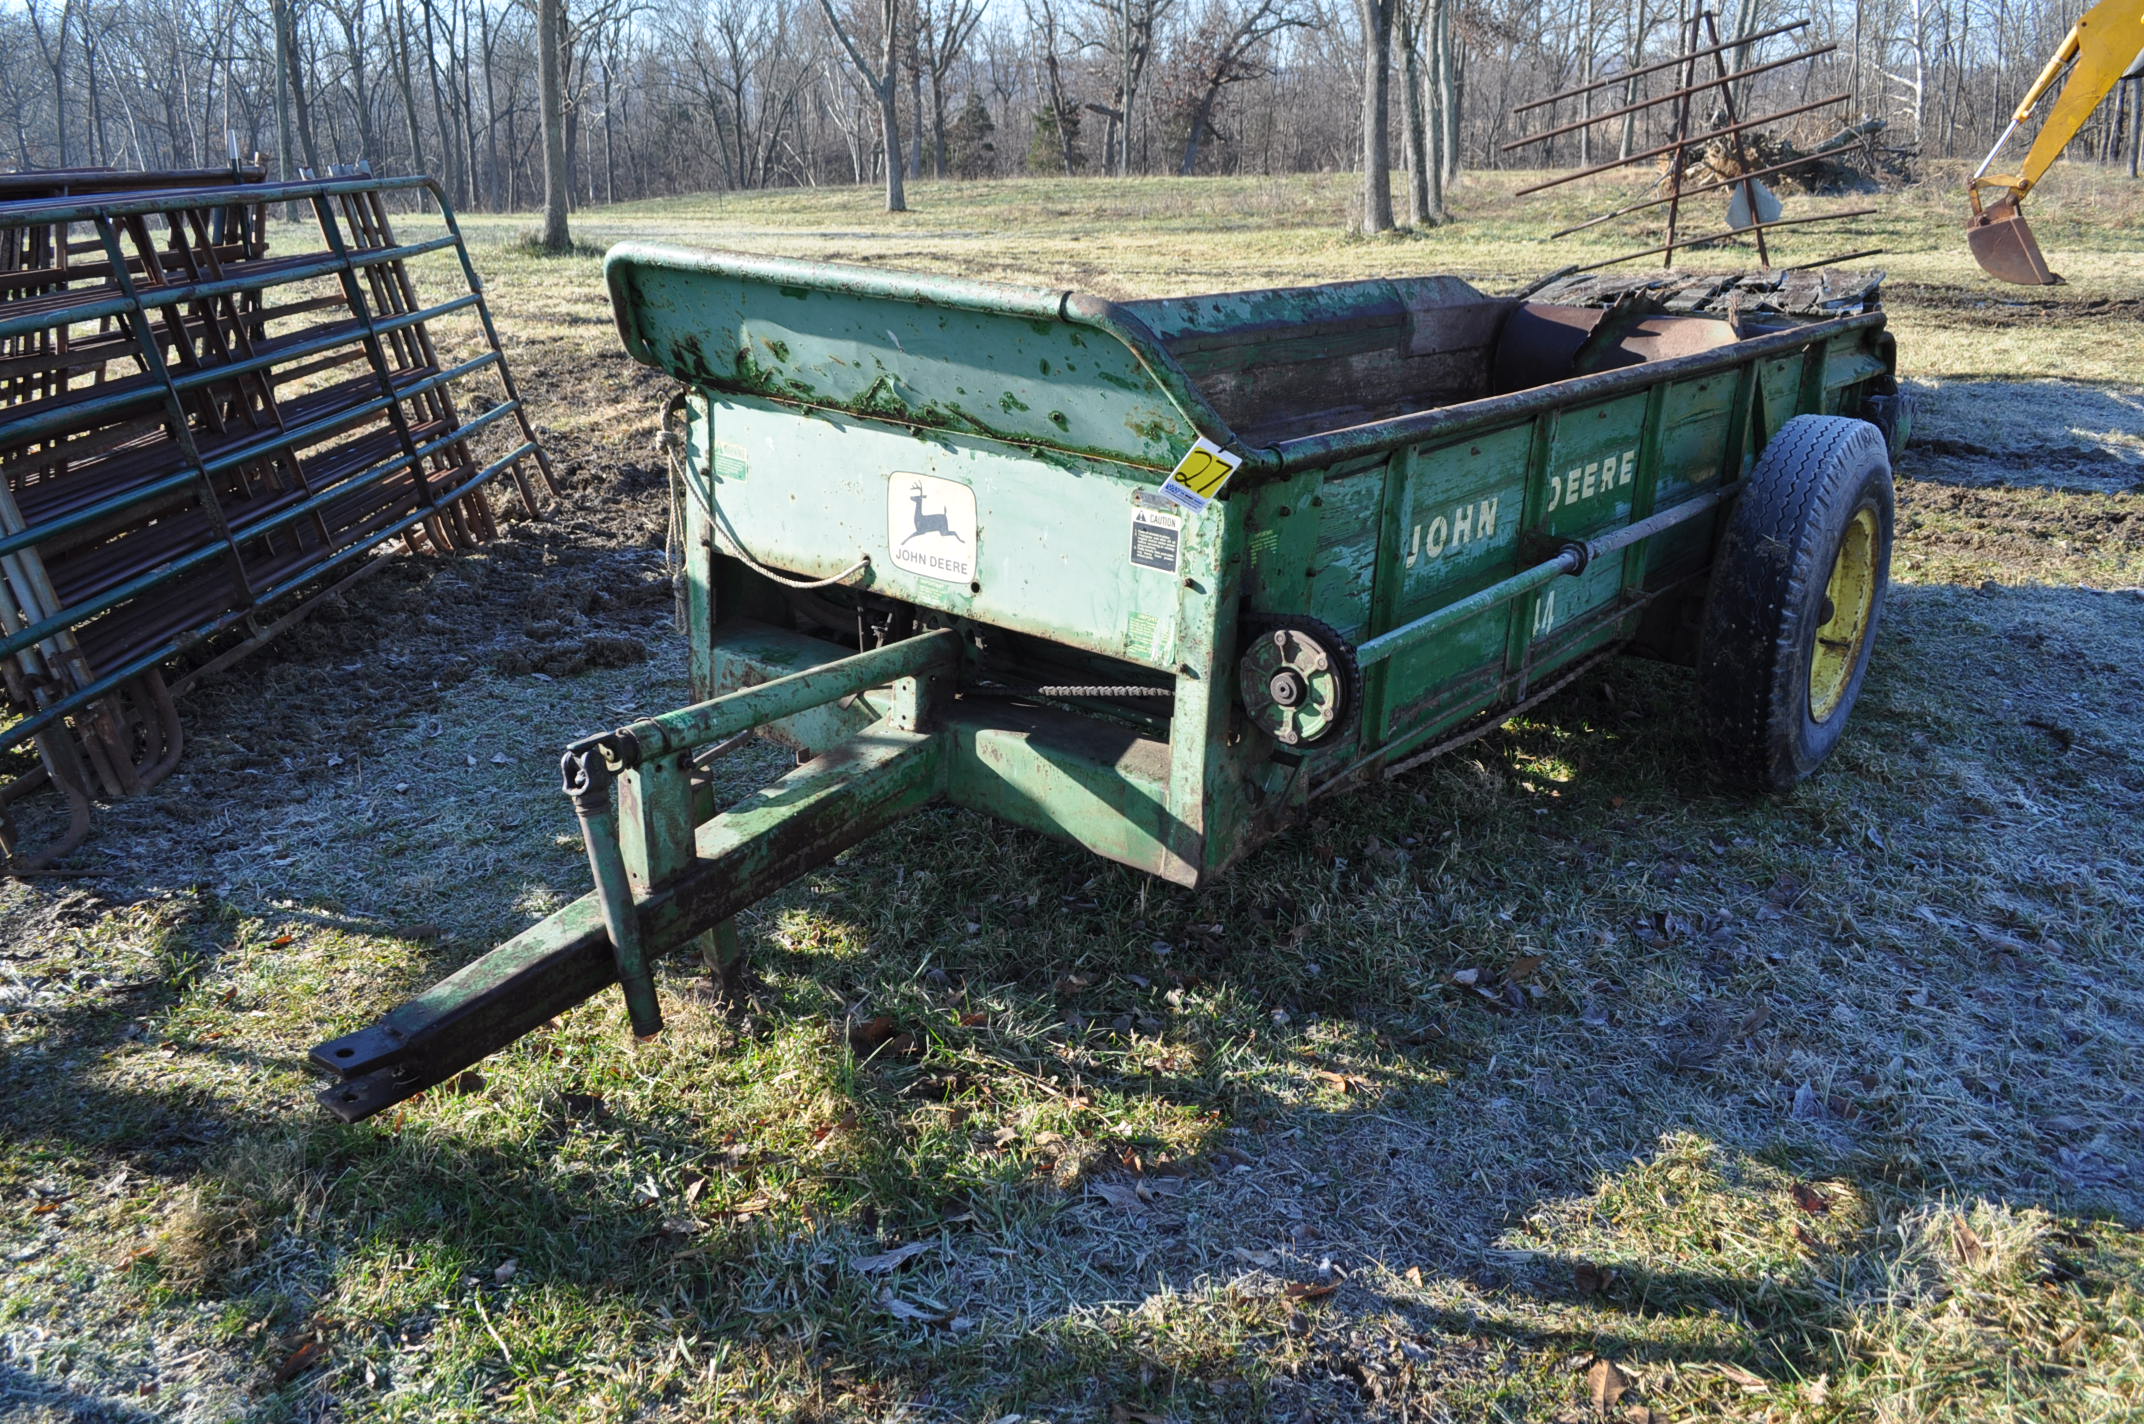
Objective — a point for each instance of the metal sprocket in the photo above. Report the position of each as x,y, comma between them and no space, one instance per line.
1297,679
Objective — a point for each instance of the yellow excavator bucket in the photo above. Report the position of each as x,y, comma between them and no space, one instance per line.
2005,248
2101,49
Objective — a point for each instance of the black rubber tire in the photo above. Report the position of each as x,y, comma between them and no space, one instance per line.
1766,599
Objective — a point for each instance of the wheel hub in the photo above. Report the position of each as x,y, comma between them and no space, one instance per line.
1849,598
1297,679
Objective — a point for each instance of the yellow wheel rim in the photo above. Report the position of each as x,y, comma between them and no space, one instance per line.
1849,600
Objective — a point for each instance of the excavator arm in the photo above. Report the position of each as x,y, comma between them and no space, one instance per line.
2101,49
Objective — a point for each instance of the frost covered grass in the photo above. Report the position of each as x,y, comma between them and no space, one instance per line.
1550,1082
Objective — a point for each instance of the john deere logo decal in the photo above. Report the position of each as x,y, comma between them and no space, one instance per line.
930,526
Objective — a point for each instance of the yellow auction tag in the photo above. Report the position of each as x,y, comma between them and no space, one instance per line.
1198,477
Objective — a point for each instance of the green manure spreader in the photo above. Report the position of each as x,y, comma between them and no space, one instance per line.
1151,576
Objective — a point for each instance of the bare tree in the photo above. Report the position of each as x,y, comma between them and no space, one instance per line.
50,24
1377,16
941,38
293,75
551,82
1130,29
669,96
882,81
1061,110
1224,49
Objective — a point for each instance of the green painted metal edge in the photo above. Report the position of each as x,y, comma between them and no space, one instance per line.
625,265
1448,422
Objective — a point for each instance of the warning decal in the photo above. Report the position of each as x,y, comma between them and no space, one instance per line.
930,526
1157,539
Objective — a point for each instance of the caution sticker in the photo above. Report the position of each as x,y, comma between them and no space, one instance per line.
1157,539
1198,477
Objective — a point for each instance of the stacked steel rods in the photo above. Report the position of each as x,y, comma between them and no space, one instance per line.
198,438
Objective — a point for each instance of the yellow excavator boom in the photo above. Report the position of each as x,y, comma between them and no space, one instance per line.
2101,49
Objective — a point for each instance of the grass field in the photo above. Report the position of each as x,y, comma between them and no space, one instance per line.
1824,1108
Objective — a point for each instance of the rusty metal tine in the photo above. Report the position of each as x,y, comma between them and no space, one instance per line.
1687,72
1668,97
1687,193
1727,102
1724,234
1833,261
1694,138
1624,76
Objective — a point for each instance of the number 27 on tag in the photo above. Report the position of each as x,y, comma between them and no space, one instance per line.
1198,477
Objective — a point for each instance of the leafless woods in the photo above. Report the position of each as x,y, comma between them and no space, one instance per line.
666,96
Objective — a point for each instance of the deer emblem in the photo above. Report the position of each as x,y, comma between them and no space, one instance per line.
927,523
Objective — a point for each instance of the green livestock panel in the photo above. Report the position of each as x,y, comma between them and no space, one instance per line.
1147,576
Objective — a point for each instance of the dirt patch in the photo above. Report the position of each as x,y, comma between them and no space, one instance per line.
1934,297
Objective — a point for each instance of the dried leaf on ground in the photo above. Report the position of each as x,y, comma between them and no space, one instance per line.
1122,1195
1745,1378
1605,1385
881,1034
1811,1200
309,1353
1132,1414
506,1269
1971,1249
927,1312
887,1260
1311,1290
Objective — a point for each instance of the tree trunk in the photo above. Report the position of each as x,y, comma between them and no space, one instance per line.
1448,78
286,24
1376,158
491,107
54,53
1201,119
449,151
283,154
551,86
610,140
1638,28
98,148
409,97
1419,155
889,117
937,121
1438,128
915,107
2136,125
